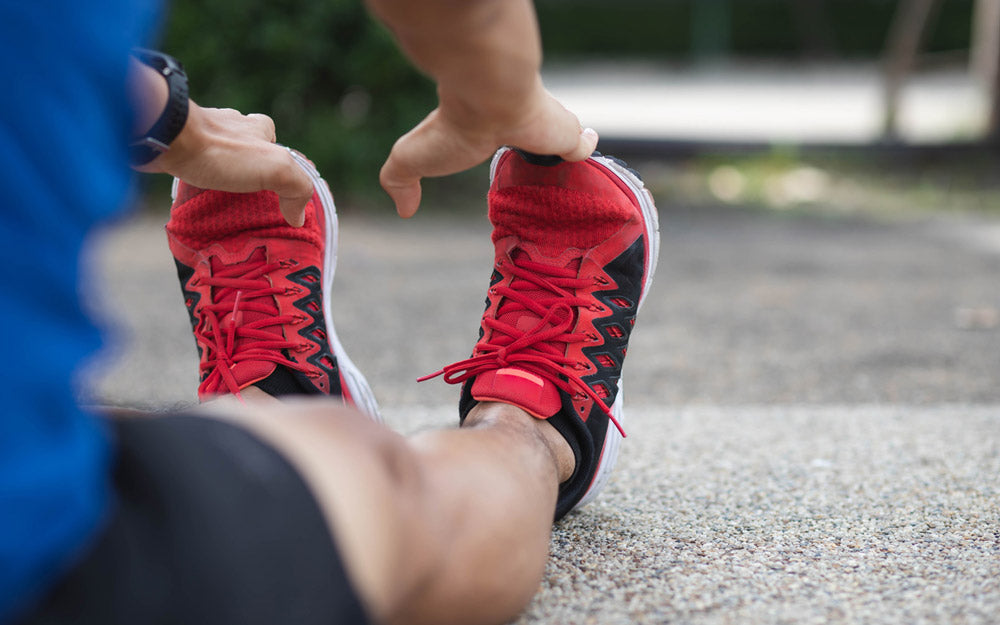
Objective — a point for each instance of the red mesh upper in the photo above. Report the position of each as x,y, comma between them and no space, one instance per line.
212,216
556,218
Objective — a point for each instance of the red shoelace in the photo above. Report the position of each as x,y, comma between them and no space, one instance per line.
546,293
242,323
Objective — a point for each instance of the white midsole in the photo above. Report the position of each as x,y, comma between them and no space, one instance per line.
650,218
357,385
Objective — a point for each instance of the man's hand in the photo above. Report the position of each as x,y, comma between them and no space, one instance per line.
225,150
485,57
442,144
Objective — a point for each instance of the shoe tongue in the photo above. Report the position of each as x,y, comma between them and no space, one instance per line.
526,390
246,372
201,218
555,217
238,313
514,385
515,315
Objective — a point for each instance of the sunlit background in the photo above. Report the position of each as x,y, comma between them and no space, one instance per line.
779,138
767,86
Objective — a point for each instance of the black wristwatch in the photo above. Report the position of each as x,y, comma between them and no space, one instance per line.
172,121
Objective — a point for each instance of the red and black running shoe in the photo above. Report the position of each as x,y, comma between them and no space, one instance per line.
576,247
257,292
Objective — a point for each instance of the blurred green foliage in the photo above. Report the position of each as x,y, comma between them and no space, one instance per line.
329,75
340,91
765,28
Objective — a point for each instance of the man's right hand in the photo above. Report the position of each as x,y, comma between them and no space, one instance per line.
485,57
444,143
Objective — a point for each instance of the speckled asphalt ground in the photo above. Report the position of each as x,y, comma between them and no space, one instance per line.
813,414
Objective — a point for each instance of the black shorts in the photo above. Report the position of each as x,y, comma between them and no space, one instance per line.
210,526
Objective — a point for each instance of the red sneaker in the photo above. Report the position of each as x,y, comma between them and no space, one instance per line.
256,290
576,247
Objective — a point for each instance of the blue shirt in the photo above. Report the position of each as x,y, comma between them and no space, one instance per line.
64,127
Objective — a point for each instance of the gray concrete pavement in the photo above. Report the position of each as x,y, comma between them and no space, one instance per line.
814,414
789,514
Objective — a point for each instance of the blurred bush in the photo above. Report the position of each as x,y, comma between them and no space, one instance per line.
340,91
329,75
670,29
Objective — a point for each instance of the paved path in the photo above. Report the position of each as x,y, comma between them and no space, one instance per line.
767,102
814,421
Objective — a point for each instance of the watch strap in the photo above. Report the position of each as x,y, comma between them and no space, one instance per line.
170,123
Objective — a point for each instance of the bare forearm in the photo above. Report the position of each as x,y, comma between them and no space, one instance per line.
484,55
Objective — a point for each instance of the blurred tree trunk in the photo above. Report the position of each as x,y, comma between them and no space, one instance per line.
984,60
906,33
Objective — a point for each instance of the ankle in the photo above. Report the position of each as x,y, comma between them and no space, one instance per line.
497,414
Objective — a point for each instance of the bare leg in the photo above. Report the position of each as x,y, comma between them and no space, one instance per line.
450,526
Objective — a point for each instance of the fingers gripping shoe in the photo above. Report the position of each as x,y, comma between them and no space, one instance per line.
257,291
576,248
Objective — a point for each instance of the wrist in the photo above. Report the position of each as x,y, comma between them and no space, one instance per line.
191,140
493,111
149,93
173,116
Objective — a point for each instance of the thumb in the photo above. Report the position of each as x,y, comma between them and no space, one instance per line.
400,175
435,147
585,146
292,184
293,209
402,186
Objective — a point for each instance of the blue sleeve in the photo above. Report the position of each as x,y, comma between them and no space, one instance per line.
64,122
